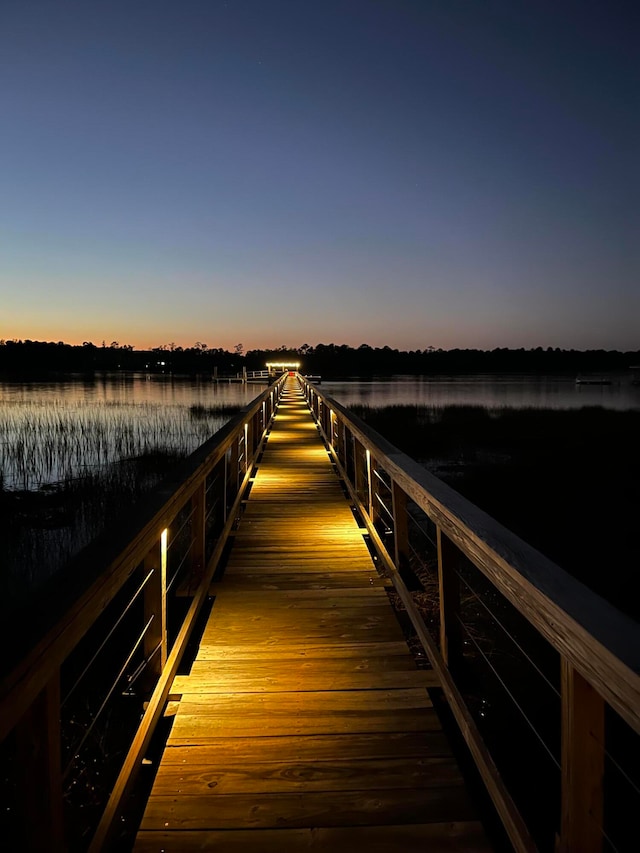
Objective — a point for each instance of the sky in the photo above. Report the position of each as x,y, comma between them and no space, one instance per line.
410,173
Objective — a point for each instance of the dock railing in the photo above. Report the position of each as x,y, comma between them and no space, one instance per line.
76,670
540,673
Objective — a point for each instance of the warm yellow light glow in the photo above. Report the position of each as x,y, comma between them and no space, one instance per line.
164,536
283,365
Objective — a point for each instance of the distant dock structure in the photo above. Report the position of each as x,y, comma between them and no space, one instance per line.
272,371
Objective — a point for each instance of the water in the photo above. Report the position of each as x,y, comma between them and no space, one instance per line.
75,454
74,451
488,391
55,431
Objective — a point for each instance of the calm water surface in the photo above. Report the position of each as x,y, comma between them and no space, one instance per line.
56,430
488,391
74,454
135,388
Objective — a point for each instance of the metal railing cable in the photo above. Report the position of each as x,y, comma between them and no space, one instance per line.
180,565
477,597
177,533
515,702
385,508
106,639
131,680
417,526
96,717
213,506
212,484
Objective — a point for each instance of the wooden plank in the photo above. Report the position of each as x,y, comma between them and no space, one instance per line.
450,837
324,808
272,579
200,726
249,682
265,777
334,701
300,598
308,651
203,668
319,748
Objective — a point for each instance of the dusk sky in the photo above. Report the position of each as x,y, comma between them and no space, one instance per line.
448,173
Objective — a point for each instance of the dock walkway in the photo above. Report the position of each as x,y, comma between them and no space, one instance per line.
304,723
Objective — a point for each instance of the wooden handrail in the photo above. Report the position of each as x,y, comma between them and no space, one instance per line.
598,645
73,604
602,643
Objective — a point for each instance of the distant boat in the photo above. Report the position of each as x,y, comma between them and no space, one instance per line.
592,380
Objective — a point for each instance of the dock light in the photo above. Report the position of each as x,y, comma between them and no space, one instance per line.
164,536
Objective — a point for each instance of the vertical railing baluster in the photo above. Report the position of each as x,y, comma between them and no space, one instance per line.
38,753
582,764
449,589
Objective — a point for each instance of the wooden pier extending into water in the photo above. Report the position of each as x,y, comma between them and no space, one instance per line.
304,722
301,720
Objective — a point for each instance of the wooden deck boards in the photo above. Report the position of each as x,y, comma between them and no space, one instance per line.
304,723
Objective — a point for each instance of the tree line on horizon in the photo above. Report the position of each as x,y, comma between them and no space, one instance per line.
41,358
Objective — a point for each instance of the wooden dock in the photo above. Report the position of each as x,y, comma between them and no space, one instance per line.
304,723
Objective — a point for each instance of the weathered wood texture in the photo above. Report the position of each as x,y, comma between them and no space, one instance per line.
304,722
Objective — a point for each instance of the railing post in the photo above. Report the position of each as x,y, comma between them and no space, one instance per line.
449,589
400,525
582,764
374,509
231,477
155,607
39,766
357,468
198,506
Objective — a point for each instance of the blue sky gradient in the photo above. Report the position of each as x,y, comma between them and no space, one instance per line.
401,172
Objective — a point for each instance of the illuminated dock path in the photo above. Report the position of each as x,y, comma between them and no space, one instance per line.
304,723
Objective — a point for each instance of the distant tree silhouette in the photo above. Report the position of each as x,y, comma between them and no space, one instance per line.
27,357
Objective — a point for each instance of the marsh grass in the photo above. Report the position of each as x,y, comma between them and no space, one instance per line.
567,481
68,470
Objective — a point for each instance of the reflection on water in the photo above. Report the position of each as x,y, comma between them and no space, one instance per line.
131,388
488,391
